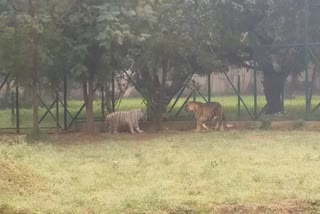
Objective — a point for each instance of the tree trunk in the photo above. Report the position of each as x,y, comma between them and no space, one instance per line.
273,84
33,6
88,94
159,95
5,102
312,87
156,103
157,92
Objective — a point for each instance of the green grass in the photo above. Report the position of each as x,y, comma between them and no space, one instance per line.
295,110
153,173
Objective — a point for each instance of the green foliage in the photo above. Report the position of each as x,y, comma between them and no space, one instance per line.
271,31
24,24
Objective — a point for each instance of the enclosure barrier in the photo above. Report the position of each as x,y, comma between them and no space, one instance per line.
255,115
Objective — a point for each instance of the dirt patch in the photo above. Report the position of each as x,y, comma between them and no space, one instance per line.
75,138
248,125
134,138
143,137
18,178
169,127
291,207
189,126
279,209
172,127
312,126
259,138
282,208
7,209
82,138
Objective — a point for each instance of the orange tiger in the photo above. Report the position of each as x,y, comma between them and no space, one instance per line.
205,112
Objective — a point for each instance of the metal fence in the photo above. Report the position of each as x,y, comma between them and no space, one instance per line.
58,113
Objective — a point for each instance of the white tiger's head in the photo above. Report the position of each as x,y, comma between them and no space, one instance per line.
141,114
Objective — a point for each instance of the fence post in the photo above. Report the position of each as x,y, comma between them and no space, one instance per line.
57,108
12,103
113,94
102,102
194,95
282,98
17,110
306,55
255,87
65,84
239,91
209,87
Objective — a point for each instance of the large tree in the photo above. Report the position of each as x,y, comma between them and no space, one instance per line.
169,44
283,24
91,30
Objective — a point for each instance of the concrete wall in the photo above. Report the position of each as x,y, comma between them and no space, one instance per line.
221,87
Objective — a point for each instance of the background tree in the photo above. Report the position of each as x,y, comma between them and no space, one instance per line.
160,44
283,24
25,26
169,46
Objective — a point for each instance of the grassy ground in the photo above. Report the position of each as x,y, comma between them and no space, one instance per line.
295,110
176,172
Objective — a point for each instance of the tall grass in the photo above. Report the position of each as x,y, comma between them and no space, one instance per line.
177,172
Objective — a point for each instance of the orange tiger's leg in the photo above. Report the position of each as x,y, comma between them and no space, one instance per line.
216,121
220,124
204,126
199,123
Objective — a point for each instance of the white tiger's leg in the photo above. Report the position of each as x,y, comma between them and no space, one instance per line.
106,127
131,128
114,129
204,126
138,129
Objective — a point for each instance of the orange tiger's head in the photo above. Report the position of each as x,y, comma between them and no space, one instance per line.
192,106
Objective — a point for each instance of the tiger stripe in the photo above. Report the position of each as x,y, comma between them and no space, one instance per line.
119,119
206,112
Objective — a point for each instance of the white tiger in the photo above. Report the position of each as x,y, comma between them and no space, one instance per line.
120,119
